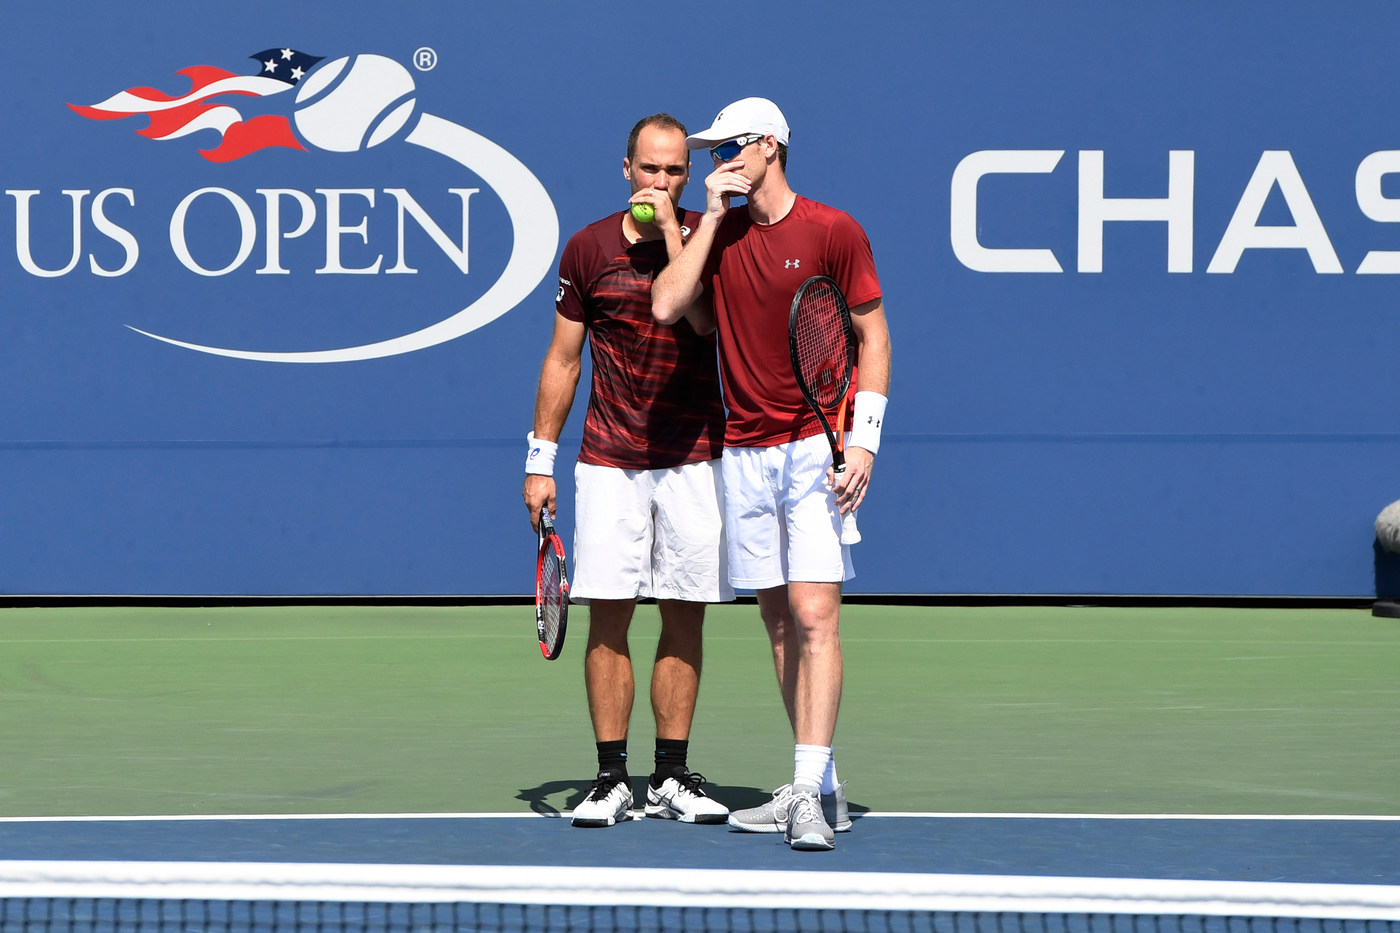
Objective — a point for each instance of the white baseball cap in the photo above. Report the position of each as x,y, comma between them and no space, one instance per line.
750,115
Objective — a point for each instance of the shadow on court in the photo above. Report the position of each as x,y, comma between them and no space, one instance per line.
733,796
538,797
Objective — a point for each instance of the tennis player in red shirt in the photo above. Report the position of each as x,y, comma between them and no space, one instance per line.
783,504
648,517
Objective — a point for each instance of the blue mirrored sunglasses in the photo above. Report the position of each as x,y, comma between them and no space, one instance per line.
729,151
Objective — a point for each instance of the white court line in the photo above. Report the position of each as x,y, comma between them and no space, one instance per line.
516,884
233,817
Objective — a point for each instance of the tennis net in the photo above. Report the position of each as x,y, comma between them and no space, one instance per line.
282,897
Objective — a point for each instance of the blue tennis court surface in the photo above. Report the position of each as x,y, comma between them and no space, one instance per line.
1352,850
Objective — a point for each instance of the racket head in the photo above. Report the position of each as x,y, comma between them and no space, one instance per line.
551,591
822,344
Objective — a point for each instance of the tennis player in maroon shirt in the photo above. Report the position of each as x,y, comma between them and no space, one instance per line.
783,503
648,515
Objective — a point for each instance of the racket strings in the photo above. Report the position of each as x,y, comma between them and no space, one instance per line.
820,347
551,595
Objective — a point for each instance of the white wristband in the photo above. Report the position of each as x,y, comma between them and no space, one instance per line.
540,459
869,415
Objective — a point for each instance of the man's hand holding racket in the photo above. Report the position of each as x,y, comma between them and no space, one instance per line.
539,493
851,485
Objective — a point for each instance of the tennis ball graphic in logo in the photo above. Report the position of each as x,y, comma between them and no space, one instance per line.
354,102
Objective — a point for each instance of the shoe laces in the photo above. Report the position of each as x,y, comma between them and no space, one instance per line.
783,799
690,782
804,808
603,785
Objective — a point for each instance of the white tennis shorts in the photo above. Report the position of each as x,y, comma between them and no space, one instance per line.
781,517
649,533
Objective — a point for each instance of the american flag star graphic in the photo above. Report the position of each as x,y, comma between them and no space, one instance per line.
277,70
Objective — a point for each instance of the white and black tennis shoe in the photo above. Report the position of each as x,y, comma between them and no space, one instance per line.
608,802
681,798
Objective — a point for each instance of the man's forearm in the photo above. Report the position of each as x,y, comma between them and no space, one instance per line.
677,287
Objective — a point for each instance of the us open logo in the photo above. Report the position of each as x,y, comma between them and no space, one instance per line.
342,106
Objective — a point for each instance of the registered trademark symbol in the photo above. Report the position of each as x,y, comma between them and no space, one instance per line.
425,59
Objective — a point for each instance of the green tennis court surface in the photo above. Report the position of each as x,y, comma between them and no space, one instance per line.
413,710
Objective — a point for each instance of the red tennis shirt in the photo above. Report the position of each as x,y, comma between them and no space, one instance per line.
752,274
655,399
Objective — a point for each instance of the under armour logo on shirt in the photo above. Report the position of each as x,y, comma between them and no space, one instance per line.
792,264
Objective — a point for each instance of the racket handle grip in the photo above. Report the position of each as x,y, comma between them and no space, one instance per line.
850,534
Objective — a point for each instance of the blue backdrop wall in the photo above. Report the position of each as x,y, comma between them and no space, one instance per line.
1140,265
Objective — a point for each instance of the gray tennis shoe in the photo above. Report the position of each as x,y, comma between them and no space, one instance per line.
807,828
772,817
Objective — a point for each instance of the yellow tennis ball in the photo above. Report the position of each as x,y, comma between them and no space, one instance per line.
643,213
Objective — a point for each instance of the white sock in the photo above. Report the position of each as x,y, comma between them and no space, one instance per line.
811,763
829,780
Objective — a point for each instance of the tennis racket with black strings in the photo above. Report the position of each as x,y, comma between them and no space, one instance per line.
551,590
822,343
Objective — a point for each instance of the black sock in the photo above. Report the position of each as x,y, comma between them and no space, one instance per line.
670,760
612,756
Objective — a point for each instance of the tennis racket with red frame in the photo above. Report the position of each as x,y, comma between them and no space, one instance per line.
551,590
822,344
